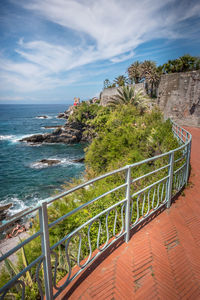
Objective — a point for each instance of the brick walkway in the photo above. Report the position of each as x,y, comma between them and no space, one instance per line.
161,261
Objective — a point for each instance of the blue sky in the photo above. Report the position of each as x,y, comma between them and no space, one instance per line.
54,50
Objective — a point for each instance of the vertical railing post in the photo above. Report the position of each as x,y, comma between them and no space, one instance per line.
43,217
181,134
170,179
188,162
128,200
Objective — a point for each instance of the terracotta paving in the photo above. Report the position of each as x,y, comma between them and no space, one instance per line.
161,260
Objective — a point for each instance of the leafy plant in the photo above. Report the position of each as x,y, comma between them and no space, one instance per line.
128,95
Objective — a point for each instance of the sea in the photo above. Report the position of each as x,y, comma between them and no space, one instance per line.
23,181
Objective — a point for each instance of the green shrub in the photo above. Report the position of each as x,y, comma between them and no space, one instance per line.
123,136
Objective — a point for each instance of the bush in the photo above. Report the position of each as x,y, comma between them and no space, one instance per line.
123,136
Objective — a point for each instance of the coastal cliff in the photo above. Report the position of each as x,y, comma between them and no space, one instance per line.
75,130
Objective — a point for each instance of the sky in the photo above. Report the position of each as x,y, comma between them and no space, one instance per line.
54,50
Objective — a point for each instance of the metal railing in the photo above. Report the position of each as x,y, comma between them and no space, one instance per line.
135,199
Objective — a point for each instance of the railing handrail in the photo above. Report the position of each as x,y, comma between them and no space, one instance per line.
82,185
180,176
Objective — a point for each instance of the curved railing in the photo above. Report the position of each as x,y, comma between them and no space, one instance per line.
135,200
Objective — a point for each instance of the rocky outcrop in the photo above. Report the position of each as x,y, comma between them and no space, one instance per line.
4,211
179,97
52,127
49,162
62,116
66,113
70,133
79,160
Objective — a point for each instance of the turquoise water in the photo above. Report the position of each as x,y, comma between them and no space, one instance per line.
22,181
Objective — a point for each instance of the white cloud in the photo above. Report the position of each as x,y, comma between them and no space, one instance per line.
122,57
10,98
33,75
109,30
117,26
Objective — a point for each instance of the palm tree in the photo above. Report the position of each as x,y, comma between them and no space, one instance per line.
128,95
147,67
120,80
106,83
153,79
151,75
182,64
134,72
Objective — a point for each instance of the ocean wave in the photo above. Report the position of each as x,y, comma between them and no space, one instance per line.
45,117
62,162
18,205
40,165
6,137
15,138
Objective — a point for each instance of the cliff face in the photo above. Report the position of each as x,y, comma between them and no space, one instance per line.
179,97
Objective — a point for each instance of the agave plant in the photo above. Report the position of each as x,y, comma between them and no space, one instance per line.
128,95
26,279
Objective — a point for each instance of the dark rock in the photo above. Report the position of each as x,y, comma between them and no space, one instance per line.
68,134
62,116
74,125
51,127
34,139
4,211
79,160
49,162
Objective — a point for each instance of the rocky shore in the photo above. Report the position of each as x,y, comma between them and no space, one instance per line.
70,133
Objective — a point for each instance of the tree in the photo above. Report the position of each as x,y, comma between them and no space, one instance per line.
147,67
134,72
151,74
184,63
106,83
120,80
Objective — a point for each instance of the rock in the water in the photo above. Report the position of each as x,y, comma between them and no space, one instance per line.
4,211
79,160
49,162
34,139
51,127
68,134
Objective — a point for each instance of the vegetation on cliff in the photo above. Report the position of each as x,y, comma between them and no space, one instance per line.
150,72
121,135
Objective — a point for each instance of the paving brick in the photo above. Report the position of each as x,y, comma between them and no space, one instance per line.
161,260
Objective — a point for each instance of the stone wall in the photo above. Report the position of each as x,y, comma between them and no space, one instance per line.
106,94
179,97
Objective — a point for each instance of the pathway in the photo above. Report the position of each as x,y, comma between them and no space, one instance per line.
161,260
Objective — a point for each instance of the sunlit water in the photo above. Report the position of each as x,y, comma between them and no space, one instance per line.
23,181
